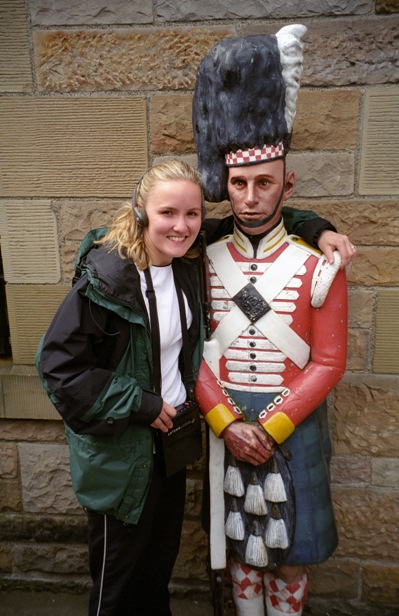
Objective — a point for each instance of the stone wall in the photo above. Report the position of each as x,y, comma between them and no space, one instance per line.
91,94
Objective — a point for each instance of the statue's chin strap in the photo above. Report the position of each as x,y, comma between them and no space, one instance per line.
259,223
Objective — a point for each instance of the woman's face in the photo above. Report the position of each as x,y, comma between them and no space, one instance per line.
174,219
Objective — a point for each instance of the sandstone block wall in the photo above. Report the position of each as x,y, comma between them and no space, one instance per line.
91,94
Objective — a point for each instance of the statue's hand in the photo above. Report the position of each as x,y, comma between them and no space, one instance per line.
248,442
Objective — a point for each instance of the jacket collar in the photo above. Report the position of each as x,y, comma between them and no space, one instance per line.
265,246
119,280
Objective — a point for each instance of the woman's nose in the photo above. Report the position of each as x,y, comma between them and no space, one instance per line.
180,223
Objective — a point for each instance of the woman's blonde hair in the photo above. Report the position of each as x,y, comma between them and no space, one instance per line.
126,235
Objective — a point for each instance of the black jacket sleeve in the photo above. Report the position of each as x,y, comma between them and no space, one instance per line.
78,362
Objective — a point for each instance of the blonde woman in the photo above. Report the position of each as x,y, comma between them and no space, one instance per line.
96,362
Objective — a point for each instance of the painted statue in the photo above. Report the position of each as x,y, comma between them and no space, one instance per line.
279,333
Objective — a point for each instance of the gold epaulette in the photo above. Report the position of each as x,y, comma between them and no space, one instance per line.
298,241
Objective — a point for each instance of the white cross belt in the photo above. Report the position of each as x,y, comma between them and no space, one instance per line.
269,285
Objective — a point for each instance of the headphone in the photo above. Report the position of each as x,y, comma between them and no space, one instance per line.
139,213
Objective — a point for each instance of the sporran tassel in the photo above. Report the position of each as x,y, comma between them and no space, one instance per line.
234,527
276,534
256,553
233,483
254,498
273,488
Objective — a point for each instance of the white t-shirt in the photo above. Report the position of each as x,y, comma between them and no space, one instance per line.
173,390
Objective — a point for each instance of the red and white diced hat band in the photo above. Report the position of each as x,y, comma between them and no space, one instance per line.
254,155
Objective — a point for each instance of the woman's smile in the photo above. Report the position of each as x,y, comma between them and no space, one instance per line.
174,220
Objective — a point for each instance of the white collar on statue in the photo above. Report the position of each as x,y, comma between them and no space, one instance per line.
267,245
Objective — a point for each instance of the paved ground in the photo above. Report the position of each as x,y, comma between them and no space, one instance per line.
20,603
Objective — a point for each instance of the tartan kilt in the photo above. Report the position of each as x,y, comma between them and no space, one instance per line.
307,453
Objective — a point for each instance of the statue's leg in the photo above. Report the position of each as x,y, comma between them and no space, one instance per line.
283,598
247,590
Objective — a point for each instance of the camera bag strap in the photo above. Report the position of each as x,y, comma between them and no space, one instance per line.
155,337
182,444
156,340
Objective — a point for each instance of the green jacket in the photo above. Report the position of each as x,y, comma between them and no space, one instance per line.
95,361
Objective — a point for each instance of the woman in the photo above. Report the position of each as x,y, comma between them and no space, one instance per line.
96,363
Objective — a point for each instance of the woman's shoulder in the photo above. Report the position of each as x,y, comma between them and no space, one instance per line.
115,274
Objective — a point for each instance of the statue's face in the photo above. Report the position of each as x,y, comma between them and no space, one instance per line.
258,191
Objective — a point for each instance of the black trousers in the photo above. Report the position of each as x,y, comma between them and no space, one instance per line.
131,565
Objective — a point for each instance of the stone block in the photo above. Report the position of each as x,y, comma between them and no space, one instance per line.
365,416
71,147
334,579
25,397
386,354
5,559
387,6
29,243
171,124
375,266
190,10
121,60
51,559
193,497
367,523
345,55
361,307
15,70
344,52
322,174
76,218
45,476
380,584
30,310
32,431
358,349
8,460
350,470
75,12
2,409
10,491
43,528
191,560
191,159
367,221
379,173
218,210
385,472
69,252
333,126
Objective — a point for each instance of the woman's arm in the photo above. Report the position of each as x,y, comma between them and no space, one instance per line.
316,231
79,361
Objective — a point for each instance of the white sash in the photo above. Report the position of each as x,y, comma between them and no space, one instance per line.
217,536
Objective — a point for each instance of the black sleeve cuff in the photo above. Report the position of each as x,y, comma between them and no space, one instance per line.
151,406
311,230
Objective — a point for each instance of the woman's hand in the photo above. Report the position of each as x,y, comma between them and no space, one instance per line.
164,420
330,241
